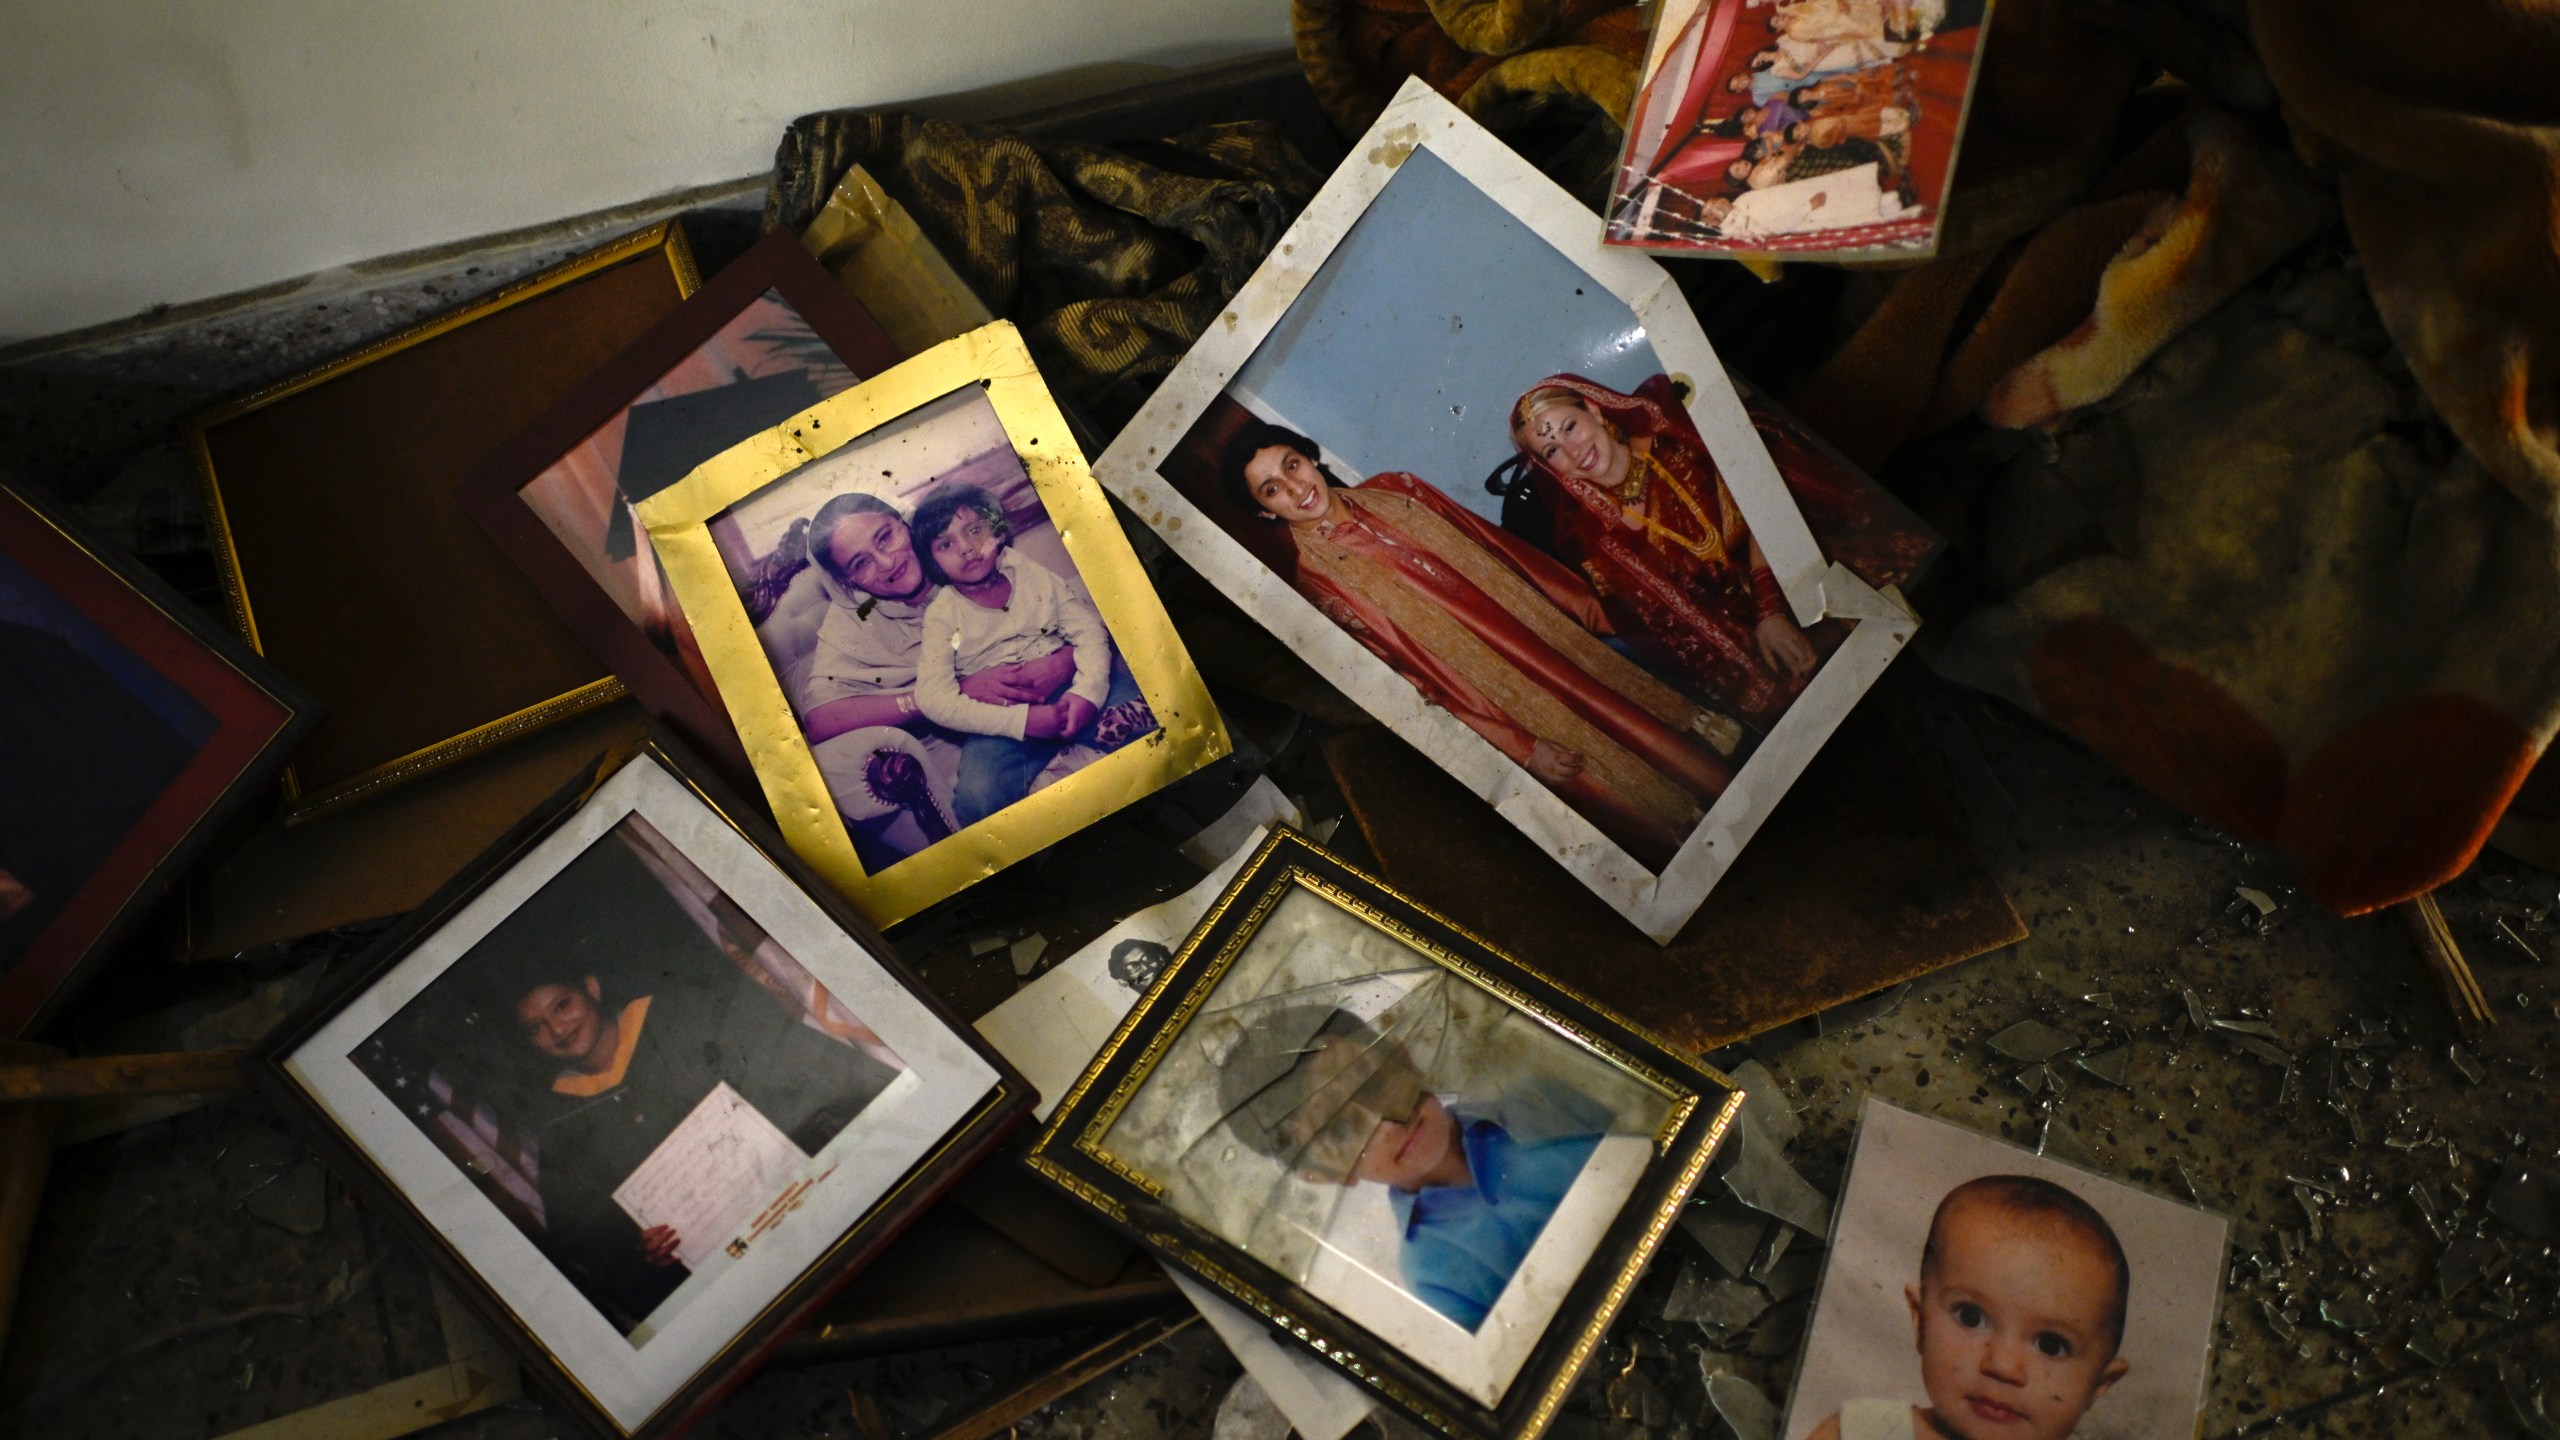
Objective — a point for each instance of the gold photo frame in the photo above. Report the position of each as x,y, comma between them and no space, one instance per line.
1233,1124
993,362
333,502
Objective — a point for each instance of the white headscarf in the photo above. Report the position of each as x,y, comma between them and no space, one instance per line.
865,645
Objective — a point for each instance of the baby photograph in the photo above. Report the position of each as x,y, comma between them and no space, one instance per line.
1430,1161
940,651
1979,1291
632,1071
1464,451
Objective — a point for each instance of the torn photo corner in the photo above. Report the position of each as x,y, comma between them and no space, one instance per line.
1489,478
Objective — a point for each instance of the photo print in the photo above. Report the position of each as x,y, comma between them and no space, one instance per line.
1812,127
943,655
632,1070
131,728
1978,1290
764,366
91,737
1432,1162
643,1090
1490,479
938,650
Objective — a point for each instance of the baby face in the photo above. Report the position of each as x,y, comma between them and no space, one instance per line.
2012,1323
968,548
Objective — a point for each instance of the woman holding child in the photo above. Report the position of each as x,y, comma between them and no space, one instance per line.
862,698
1490,630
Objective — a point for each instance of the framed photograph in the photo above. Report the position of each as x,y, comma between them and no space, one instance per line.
936,644
131,728
1978,1289
1489,478
333,500
1399,1146
770,336
1824,129
644,1088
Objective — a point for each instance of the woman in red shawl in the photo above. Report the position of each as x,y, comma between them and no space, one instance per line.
1642,512
1493,632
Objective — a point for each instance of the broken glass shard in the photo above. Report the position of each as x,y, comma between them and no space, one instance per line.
2463,1062
2527,1196
1793,1275
2251,1044
2259,1028
2526,1396
1762,1179
2507,933
1701,1299
2032,1041
2462,1262
2310,1206
2062,1143
2276,1322
2429,1346
2197,1015
1764,1103
2113,1066
1743,1408
2350,1312
1728,1231
2429,1210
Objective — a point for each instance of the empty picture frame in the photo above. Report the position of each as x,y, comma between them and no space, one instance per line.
333,500
918,724
766,338
131,727
1594,600
644,1088
1405,1149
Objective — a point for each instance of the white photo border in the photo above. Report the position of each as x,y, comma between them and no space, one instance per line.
1887,1133
631,1381
1419,119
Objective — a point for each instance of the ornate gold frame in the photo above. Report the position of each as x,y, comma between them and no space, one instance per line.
667,236
994,358
1070,1154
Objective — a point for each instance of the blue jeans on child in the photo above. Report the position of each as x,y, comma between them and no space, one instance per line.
996,771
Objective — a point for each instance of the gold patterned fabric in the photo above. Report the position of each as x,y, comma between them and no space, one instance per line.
1111,263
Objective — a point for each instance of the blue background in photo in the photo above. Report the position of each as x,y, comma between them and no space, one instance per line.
26,601
1410,345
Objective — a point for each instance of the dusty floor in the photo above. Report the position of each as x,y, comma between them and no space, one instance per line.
201,1272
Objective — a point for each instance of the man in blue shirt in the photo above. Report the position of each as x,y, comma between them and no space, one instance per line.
1472,1185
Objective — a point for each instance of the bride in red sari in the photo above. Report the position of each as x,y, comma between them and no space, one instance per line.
1644,515
1490,630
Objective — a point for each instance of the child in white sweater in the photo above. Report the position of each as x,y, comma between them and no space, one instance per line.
997,608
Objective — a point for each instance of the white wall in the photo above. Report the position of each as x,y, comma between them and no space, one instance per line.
159,151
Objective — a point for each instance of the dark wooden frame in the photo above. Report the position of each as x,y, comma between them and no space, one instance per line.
1006,1106
259,718
1066,1153
492,494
